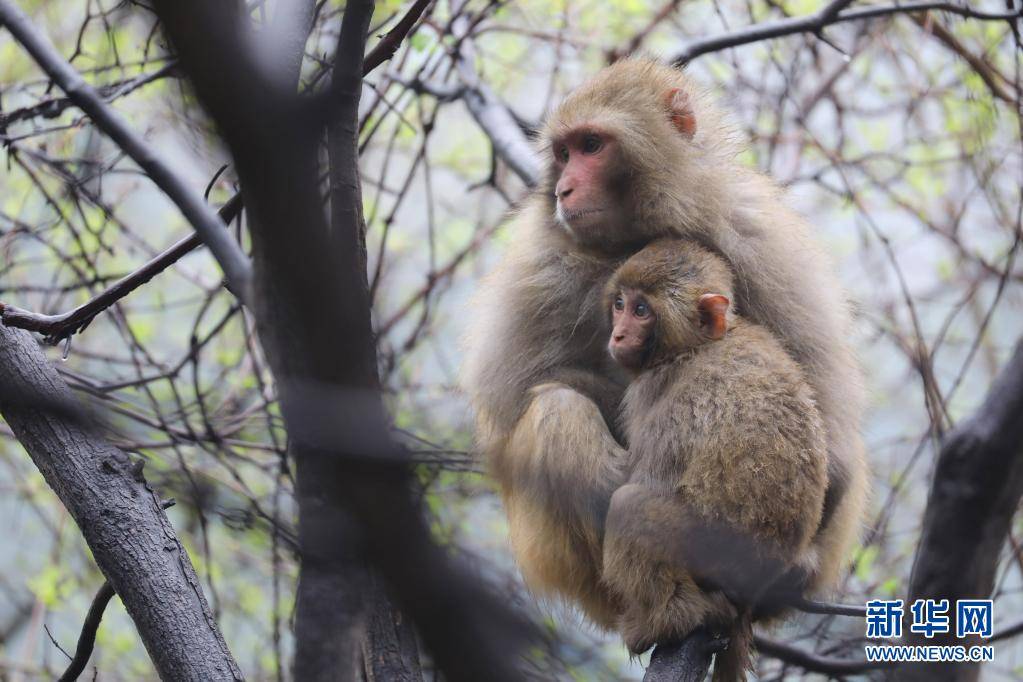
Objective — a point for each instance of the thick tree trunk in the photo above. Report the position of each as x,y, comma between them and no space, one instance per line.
118,513
976,491
390,650
313,317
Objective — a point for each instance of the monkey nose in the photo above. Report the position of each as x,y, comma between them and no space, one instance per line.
562,192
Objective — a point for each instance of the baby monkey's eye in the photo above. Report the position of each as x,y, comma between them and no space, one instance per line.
592,144
561,153
619,303
641,310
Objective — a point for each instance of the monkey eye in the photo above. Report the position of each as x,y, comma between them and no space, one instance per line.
641,310
561,153
592,144
619,303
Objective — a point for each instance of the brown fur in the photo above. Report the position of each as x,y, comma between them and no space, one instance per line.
540,313
724,432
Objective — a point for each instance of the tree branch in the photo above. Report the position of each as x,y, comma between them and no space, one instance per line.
994,80
347,467
809,661
119,515
54,328
372,629
493,116
1008,632
685,661
512,146
509,142
978,482
830,15
55,106
205,221
388,45
87,640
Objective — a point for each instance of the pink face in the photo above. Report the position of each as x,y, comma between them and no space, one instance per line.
633,325
586,199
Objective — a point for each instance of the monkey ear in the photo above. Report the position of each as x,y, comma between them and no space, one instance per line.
712,309
680,110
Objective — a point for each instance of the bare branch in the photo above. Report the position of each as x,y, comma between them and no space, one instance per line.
119,515
835,667
509,142
347,467
978,482
54,328
55,106
493,116
388,45
995,82
512,146
830,15
1007,632
87,640
205,221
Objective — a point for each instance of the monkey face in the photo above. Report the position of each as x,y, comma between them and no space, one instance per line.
633,322
589,198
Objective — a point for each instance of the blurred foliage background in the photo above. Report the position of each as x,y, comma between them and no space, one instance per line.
900,137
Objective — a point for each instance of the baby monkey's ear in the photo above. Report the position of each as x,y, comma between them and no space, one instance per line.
713,308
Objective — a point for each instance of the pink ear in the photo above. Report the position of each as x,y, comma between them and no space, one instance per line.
713,308
681,112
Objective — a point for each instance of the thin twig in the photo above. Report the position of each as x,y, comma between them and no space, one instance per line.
809,661
205,221
55,328
1007,632
389,44
828,16
87,640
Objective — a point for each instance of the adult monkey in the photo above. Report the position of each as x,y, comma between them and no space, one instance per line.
635,154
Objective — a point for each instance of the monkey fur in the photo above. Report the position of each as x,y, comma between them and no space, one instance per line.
723,432
537,371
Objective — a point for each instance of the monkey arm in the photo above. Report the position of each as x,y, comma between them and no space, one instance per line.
557,470
605,393
563,456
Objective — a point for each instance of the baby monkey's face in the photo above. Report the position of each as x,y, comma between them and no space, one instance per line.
633,321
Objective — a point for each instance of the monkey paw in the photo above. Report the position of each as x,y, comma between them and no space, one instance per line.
717,643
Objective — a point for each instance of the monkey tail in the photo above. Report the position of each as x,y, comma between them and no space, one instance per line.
731,664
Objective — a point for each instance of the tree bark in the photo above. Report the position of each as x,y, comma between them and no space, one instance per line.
119,515
313,317
389,648
685,661
976,490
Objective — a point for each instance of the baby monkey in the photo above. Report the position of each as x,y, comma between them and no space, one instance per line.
727,458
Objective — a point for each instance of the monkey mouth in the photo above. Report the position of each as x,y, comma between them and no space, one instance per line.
568,216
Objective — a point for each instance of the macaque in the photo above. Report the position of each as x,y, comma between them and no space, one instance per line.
724,435
636,154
